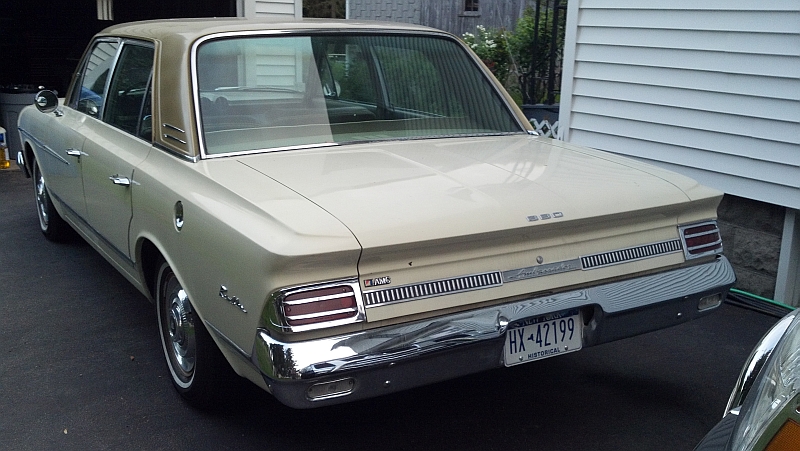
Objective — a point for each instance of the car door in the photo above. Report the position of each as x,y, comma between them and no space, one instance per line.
116,144
62,135
59,143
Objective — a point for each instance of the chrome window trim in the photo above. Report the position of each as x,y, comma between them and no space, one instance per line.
318,31
269,150
122,43
71,101
175,153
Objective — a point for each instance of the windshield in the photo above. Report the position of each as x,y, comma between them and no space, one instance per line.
261,93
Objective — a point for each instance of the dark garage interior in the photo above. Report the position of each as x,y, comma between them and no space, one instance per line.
41,41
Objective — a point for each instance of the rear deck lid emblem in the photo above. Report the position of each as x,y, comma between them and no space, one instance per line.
386,280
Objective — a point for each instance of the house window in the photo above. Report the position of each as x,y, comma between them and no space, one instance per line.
105,9
471,6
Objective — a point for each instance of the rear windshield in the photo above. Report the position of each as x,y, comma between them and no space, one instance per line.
262,93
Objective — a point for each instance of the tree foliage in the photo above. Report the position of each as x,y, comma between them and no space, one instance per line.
521,59
492,48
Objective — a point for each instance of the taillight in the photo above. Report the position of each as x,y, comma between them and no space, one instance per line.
321,306
701,239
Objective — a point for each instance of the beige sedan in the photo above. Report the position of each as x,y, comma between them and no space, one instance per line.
338,210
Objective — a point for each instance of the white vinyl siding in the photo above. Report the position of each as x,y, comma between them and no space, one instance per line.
709,90
287,9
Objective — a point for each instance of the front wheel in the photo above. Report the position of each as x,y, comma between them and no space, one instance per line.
52,225
195,363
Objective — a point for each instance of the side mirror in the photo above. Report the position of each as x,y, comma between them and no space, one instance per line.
46,101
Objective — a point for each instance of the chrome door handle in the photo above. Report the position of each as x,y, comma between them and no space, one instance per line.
74,152
121,181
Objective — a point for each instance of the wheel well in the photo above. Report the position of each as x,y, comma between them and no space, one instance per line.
151,259
27,154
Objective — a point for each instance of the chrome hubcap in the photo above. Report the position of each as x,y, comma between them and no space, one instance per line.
41,200
180,326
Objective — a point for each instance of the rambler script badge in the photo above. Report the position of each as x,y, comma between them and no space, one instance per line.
541,270
378,282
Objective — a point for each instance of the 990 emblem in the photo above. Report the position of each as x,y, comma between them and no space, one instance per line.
545,216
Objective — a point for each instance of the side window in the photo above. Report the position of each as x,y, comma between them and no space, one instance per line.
91,92
128,92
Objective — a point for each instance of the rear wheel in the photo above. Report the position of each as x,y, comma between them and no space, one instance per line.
195,363
52,225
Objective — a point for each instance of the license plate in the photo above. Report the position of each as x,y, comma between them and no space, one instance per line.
543,336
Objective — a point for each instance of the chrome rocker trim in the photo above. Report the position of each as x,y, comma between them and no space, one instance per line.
380,361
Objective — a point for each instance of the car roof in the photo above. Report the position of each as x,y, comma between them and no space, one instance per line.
173,40
192,29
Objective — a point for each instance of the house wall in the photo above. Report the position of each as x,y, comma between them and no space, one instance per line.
751,238
447,15
709,89
270,8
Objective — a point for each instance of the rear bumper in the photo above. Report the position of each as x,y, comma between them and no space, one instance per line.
388,359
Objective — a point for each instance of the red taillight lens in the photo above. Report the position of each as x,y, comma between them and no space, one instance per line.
701,239
320,305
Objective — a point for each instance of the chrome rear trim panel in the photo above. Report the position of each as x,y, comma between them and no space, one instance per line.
619,310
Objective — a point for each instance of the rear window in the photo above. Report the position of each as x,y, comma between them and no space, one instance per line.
277,92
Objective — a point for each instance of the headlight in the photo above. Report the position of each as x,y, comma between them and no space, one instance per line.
775,395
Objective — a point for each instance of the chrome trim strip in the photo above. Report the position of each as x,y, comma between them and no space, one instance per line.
74,215
167,136
460,284
170,126
227,340
269,150
631,254
288,367
432,288
523,128
321,314
318,299
44,147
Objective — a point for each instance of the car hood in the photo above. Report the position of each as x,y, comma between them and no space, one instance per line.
424,190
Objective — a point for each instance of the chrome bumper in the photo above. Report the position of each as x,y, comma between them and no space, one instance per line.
388,359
